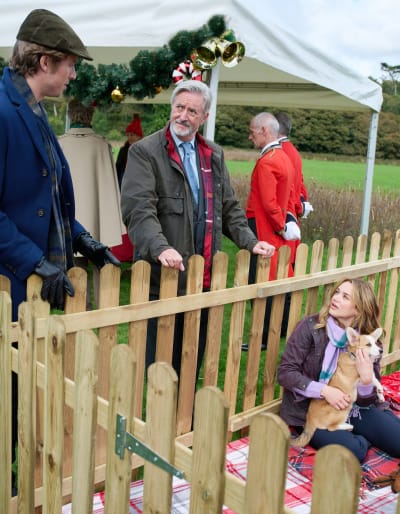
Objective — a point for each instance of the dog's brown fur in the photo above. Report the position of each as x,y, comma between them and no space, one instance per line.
320,413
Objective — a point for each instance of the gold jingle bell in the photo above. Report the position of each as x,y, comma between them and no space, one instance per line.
116,95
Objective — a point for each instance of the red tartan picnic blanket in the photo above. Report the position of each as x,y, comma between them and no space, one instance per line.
299,477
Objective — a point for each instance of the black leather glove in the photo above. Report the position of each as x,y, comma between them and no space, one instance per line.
55,283
95,251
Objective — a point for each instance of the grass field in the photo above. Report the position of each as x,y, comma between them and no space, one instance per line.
337,174
332,173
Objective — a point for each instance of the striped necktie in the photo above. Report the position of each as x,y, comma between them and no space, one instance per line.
191,171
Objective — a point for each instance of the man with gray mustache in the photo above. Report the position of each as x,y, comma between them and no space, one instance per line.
177,201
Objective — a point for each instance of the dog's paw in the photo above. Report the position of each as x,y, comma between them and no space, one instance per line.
345,426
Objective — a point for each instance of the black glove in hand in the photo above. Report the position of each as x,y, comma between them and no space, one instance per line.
55,283
95,251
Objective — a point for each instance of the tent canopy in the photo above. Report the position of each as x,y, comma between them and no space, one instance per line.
279,69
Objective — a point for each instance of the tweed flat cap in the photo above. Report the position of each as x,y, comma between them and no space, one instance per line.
45,28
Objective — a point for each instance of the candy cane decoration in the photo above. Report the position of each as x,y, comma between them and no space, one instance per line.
186,71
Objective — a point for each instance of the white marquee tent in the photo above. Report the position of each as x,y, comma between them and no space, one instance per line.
279,69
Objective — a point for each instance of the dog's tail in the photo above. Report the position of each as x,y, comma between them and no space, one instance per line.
304,438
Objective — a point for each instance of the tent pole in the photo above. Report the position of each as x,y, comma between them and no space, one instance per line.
369,174
209,126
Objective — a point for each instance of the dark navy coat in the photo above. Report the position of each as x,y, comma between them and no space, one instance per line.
25,191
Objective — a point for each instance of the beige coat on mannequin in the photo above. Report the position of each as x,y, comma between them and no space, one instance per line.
97,196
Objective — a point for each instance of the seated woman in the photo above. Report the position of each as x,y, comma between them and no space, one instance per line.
310,351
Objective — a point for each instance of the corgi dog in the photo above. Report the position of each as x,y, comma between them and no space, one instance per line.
320,413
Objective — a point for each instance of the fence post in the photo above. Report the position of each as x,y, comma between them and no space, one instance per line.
215,321
166,324
236,328
26,409
336,481
5,403
140,286
209,451
84,422
160,435
267,465
255,337
190,346
121,401
54,398
110,277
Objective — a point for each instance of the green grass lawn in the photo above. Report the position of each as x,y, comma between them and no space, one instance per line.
337,174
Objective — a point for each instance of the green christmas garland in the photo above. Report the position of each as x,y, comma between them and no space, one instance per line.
147,73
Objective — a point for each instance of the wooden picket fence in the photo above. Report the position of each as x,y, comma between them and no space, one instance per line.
74,379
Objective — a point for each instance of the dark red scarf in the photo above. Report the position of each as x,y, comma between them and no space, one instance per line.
205,158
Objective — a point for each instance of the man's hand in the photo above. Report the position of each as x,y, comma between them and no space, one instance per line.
171,259
55,284
264,249
95,251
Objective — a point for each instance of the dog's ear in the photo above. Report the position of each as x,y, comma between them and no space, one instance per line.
352,335
376,334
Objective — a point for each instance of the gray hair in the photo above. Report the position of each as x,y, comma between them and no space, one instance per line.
266,119
194,86
285,123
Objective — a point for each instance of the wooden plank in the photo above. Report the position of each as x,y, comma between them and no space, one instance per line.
296,302
118,471
160,435
215,321
5,284
347,252
274,333
209,448
5,403
108,297
374,249
53,442
243,419
236,332
315,267
266,475
361,251
166,324
255,338
77,303
26,410
85,410
386,251
336,469
137,331
190,343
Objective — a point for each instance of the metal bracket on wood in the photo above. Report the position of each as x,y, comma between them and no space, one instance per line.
125,440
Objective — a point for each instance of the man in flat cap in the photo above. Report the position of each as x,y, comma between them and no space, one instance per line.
38,230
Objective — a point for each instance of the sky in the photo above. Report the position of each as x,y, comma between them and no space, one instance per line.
358,33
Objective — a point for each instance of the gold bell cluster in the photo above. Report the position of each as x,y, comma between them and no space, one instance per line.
225,47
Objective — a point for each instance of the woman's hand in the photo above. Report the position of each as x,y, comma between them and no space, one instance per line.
364,366
335,397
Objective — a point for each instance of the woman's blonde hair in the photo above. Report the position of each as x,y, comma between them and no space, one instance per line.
367,317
